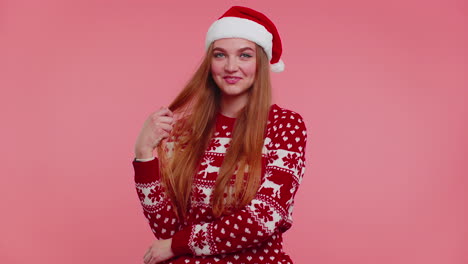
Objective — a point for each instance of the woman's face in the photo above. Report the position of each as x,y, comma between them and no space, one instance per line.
233,66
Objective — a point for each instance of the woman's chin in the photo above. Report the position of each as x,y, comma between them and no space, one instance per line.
233,92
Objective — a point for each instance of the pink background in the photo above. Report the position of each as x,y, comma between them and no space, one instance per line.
381,84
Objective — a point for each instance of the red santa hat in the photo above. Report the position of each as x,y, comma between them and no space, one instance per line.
246,23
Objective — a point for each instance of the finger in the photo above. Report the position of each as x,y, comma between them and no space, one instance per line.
147,252
170,113
165,112
162,137
155,120
153,261
165,119
147,257
165,127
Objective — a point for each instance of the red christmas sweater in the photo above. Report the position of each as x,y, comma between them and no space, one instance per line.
253,234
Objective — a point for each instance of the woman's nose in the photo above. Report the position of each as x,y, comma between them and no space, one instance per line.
231,65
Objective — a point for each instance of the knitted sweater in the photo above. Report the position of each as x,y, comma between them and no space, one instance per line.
252,234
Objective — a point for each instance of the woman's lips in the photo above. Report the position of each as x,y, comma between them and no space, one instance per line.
232,80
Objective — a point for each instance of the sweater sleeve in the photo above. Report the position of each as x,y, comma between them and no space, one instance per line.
270,212
157,207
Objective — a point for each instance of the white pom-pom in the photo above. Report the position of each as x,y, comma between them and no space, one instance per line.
277,67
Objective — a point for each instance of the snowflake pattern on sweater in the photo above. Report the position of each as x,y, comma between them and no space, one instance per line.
252,234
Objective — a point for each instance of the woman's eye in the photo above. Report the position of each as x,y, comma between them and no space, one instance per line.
243,55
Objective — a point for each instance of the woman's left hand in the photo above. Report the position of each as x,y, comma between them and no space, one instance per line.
159,251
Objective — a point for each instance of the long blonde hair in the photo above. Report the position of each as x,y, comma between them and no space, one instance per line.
198,103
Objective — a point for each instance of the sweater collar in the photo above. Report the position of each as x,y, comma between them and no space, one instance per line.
231,120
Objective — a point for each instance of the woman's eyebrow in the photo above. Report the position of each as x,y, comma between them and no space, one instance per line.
240,50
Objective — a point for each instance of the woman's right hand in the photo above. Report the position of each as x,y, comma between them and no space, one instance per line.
157,127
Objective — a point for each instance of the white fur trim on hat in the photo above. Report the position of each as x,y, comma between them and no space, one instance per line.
235,27
277,67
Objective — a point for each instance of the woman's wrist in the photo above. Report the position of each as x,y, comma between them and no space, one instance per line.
170,247
144,154
145,160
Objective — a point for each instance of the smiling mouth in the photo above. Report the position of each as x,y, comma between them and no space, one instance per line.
232,80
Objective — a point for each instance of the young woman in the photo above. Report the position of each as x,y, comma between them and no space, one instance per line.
229,162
